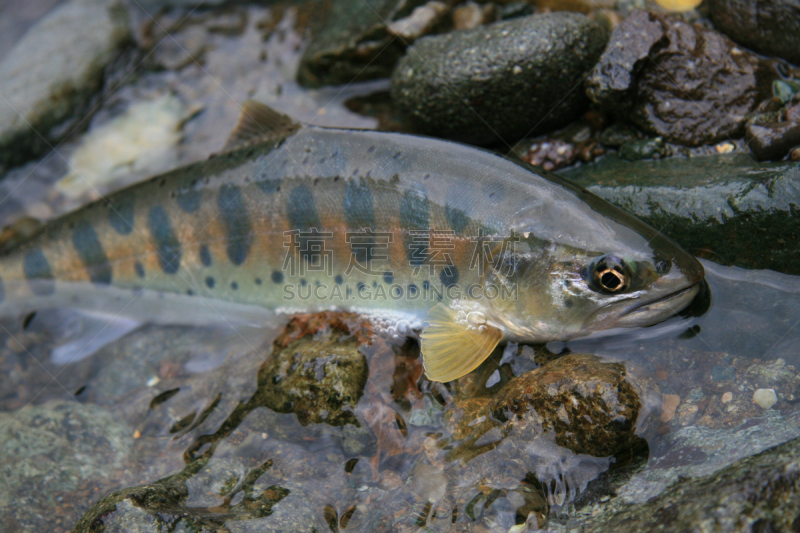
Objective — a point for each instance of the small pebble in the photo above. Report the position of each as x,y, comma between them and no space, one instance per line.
153,381
727,397
765,398
137,434
724,148
669,402
795,155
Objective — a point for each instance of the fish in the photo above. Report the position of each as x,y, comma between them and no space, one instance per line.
464,246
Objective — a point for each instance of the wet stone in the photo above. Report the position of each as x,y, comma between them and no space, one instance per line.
774,129
762,490
498,82
591,406
318,379
70,48
54,457
684,82
721,207
645,149
362,41
471,15
771,27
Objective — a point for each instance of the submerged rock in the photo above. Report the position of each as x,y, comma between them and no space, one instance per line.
498,82
53,459
590,406
362,41
684,82
538,441
135,145
320,380
69,49
771,27
718,207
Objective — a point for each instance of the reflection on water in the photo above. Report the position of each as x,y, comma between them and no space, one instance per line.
329,432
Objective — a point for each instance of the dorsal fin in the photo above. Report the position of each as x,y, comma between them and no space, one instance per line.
259,123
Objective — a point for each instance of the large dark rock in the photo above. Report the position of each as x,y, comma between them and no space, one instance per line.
759,494
723,208
499,82
54,68
684,82
771,27
363,40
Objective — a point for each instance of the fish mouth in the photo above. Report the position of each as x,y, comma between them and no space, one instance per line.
652,312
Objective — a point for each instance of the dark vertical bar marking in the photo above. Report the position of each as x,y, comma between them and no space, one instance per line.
91,251
414,216
38,273
269,186
302,209
121,213
358,210
237,223
167,245
449,276
205,255
189,200
457,219
359,214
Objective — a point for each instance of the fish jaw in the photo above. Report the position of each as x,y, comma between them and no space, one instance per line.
667,297
657,311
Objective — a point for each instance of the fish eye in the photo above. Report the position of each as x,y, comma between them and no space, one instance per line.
609,275
663,266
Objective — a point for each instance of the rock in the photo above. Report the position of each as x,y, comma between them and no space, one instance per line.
669,402
320,380
765,398
498,82
54,457
727,397
591,406
758,493
719,207
771,27
154,7
135,145
471,15
645,149
357,42
69,48
684,82
182,48
772,133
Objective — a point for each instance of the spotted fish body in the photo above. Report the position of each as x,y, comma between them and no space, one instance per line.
276,226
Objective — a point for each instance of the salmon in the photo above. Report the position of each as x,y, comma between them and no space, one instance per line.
463,245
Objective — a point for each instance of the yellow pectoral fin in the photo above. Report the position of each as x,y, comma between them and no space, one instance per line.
450,348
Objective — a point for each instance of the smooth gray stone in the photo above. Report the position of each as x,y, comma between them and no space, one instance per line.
55,67
726,208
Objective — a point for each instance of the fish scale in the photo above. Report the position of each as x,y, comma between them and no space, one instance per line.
288,221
